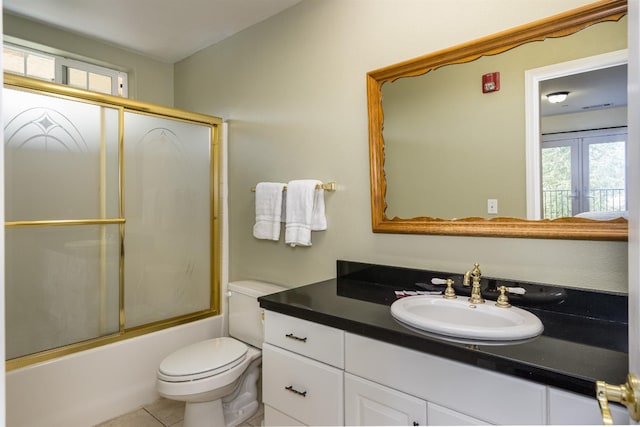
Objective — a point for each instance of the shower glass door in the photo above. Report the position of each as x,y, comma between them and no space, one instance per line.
62,210
111,223
167,205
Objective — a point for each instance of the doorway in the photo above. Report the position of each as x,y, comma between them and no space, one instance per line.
569,125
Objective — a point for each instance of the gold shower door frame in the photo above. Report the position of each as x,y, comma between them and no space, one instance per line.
126,105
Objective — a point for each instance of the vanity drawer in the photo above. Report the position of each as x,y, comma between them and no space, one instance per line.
313,340
303,389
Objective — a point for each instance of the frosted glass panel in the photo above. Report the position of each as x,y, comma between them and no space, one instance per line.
41,67
69,283
77,78
62,286
99,83
13,60
61,158
167,197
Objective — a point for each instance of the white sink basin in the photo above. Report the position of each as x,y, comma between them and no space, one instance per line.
461,319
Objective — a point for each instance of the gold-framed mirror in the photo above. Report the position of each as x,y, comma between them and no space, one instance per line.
552,28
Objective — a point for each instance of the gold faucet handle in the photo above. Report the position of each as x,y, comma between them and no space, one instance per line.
628,394
503,299
449,293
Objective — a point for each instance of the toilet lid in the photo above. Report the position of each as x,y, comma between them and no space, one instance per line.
203,359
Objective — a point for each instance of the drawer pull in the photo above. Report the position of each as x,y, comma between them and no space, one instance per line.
293,390
293,337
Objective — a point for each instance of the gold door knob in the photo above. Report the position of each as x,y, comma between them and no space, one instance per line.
628,394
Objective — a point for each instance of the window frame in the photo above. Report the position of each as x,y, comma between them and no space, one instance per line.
62,64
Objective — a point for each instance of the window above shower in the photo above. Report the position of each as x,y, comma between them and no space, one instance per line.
59,69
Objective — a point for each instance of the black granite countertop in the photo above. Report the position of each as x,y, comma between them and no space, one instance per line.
584,338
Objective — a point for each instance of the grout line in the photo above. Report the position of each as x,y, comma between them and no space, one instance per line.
155,418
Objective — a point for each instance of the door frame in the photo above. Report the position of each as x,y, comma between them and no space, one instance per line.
633,159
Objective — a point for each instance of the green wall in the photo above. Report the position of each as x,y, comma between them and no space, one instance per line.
293,91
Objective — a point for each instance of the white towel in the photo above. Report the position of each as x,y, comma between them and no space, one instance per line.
318,217
305,211
268,210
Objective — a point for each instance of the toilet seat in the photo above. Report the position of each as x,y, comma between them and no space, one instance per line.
202,360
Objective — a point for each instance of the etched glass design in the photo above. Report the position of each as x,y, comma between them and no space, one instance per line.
61,163
86,223
167,205
61,158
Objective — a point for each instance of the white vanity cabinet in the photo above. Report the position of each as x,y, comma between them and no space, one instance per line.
571,409
318,375
455,393
370,404
441,416
302,372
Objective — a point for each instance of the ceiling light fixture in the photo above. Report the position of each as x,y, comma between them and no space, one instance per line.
557,97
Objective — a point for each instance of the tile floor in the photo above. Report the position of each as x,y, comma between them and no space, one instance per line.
166,413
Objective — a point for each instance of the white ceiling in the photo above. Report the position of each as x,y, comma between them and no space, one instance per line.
166,30
171,30
588,91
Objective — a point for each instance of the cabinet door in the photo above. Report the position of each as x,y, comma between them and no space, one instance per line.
371,404
574,409
275,418
481,393
440,416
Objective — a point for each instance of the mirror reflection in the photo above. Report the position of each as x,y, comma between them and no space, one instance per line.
583,145
452,151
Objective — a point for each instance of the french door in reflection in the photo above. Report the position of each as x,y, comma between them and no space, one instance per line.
584,174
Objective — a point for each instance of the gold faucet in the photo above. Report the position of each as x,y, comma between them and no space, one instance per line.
474,274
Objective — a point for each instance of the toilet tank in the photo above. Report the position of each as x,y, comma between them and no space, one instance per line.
245,315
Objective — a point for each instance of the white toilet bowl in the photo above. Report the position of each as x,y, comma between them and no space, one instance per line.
217,380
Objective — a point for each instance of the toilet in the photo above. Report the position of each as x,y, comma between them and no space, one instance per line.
217,378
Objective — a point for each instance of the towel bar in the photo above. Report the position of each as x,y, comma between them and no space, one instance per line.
327,186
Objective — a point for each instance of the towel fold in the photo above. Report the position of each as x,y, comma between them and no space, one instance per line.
305,211
318,217
268,210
